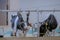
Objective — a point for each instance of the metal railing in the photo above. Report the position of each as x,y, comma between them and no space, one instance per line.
30,11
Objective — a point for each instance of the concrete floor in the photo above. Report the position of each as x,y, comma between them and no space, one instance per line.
34,38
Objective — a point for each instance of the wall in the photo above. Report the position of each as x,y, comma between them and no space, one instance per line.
13,6
3,15
35,4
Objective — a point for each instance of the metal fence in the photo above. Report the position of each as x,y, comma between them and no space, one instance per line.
33,28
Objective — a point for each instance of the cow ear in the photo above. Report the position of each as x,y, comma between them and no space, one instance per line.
12,16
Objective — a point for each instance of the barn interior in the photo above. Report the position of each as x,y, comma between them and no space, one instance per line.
30,19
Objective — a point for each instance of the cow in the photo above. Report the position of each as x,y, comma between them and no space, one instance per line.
49,24
17,24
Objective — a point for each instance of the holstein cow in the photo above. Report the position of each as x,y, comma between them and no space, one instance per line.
49,24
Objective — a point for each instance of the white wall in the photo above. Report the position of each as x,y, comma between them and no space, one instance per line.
14,5
35,4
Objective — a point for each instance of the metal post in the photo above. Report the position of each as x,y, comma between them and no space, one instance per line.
38,22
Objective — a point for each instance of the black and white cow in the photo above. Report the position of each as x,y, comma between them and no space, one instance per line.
17,23
49,24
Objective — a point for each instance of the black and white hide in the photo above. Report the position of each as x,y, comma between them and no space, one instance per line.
49,24
20,23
